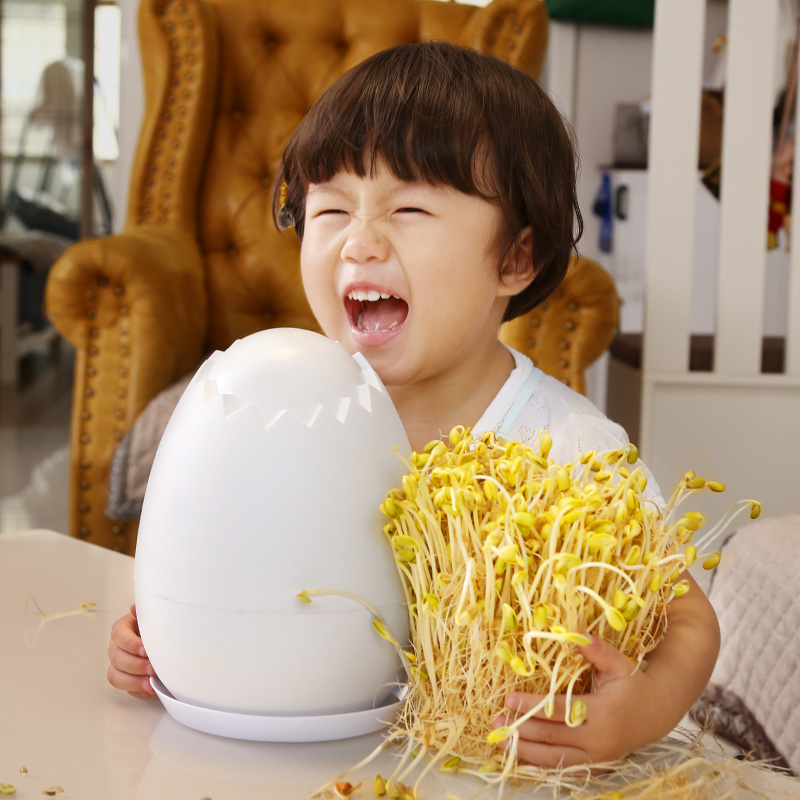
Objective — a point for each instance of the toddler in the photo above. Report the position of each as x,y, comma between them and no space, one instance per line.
433,192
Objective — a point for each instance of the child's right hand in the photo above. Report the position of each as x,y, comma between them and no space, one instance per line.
130,668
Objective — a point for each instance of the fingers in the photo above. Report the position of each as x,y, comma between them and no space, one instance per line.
546,743
133,684
549,757
610,663
130,669
125,635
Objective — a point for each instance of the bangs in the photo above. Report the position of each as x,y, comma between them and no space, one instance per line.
405,110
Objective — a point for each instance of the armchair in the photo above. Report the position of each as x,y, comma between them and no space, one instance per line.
199,262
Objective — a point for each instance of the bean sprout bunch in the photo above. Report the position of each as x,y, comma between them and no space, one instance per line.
508,560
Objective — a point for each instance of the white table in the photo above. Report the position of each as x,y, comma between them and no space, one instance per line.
68,727
62,721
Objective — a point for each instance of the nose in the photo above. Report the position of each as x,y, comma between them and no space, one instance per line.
364,243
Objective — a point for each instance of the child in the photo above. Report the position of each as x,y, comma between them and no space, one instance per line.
433,191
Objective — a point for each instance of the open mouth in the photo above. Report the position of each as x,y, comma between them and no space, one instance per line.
372,311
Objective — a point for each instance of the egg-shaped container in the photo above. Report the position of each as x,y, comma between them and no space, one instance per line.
267,483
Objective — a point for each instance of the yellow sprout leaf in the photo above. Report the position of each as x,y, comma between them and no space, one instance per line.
499,735
615,618
712,561
451,764
510,621
380,629
577,714
681,588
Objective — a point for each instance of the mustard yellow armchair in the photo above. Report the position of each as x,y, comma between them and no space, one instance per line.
199,263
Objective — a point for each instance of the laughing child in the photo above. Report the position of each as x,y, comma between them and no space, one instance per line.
433,192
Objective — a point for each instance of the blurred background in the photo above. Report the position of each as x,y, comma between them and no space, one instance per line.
65,166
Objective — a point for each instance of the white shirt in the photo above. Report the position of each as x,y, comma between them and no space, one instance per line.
530,401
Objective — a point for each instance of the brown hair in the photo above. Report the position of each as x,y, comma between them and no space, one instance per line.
445,114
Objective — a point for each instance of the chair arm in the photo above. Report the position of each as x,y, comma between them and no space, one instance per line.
134,307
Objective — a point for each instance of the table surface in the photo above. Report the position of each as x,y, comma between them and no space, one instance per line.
62,721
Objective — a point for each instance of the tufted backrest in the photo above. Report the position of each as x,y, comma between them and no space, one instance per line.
228,81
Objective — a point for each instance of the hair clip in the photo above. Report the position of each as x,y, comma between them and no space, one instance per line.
284,215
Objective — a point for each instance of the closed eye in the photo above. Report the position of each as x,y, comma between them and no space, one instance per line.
410,210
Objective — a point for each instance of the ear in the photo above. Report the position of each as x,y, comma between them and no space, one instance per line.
518,271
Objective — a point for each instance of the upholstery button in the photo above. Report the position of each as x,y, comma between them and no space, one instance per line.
116,530
563,363
91,372
86,439
558,294
117,436
85,485
119,290
569,325
535,322
573,306
564,344
86,464
510,45
83,533
102,282
497,24
531,342
120,393
86,415
84,508
89,393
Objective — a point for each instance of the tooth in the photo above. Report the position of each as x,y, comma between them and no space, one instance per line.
373,295
385,296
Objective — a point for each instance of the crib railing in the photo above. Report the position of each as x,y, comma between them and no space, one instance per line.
734,423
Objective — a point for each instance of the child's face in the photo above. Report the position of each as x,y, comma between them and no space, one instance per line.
406,273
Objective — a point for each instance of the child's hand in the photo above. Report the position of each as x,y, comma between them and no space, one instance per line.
626,710
130,668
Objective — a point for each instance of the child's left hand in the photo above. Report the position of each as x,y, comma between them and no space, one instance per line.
627,709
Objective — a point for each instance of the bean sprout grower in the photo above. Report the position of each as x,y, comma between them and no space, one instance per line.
507,559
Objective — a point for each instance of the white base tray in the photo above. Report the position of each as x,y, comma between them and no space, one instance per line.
281,729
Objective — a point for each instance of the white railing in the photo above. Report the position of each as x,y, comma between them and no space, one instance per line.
734,424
